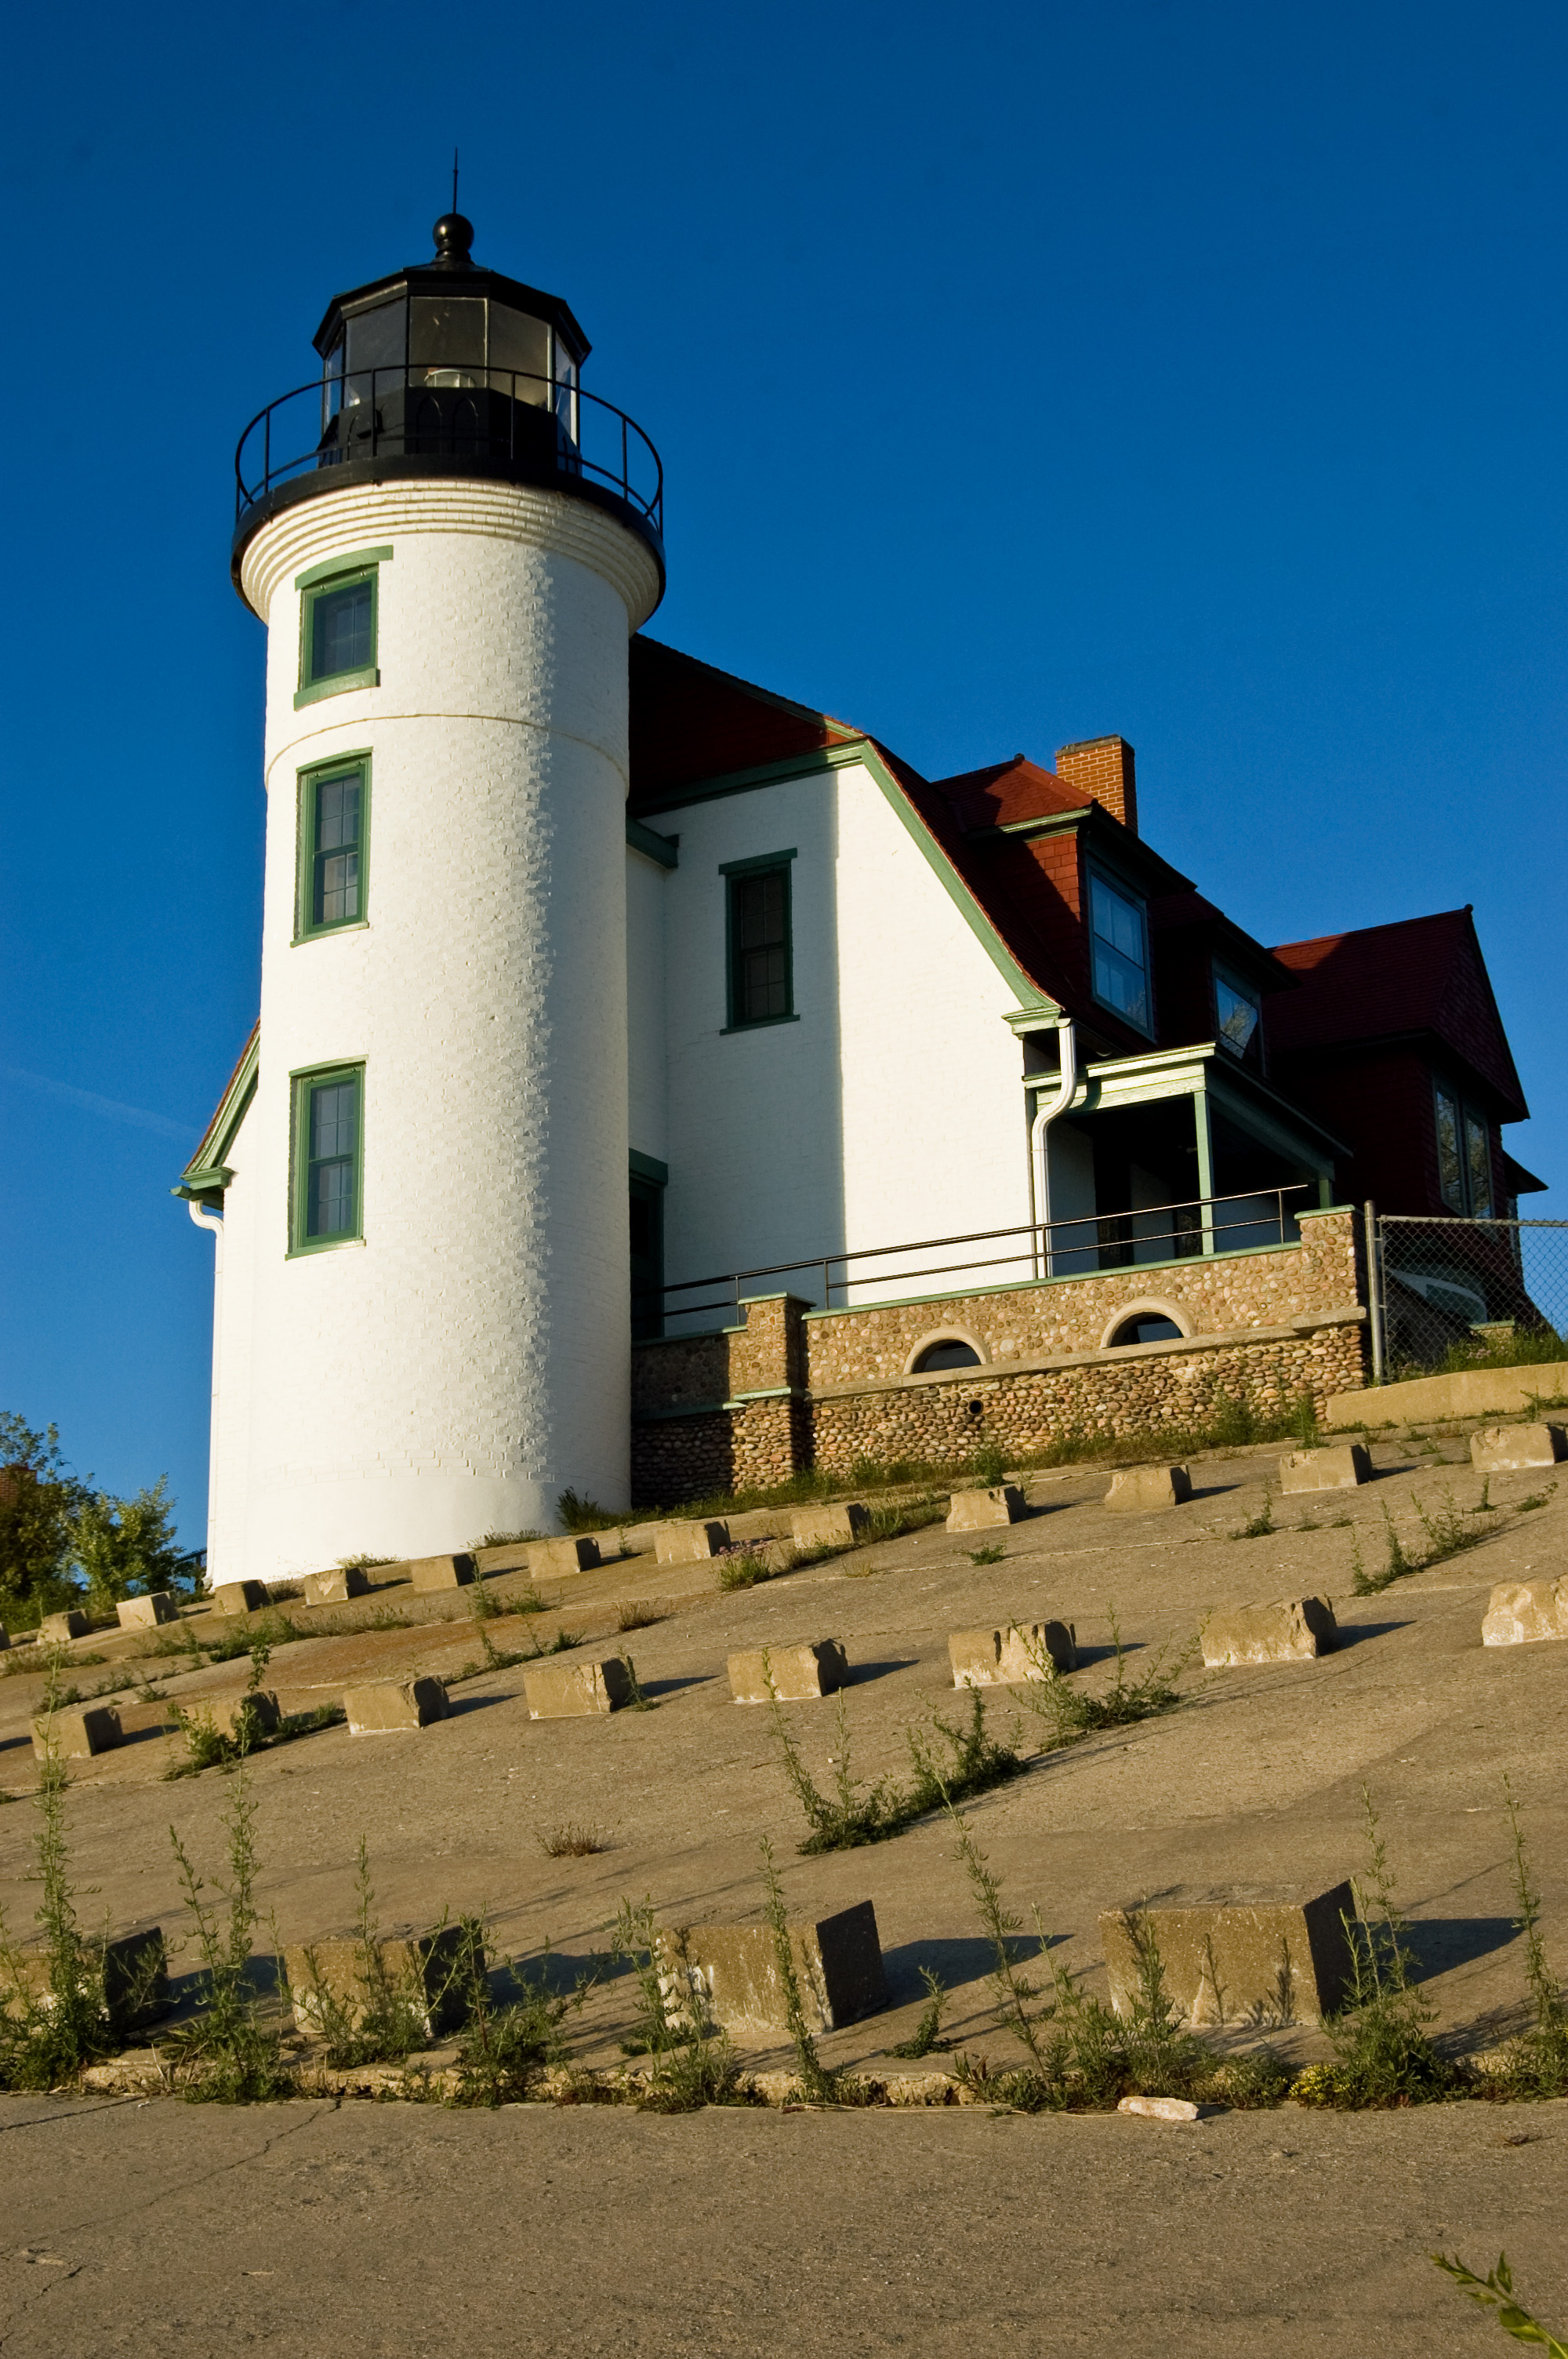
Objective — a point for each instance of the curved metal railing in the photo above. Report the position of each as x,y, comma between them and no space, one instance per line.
505,417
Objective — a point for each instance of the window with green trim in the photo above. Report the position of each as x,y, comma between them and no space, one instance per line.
327,1141
334,814
761,949
337,634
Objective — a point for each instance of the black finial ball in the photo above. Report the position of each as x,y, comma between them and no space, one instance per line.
454,235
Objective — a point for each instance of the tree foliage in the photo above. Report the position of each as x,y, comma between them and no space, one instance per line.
59,1537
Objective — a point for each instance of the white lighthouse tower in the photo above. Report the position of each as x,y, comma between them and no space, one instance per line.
423,1326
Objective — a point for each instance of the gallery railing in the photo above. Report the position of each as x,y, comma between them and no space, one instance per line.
1092,1242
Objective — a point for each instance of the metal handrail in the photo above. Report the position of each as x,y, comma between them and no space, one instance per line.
252,484
1045,1247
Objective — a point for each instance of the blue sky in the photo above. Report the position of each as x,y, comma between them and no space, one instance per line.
1021,373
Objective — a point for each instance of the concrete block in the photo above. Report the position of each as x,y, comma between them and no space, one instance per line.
1139,1490
760,1523
638,1539
1511,1449
390,1703
56,1628
266,1713
239,1596
442,1571
146,1613
1024,1651
1295,1630
1520,1611
336,1586
1260,1963
77,1732
817,1668
510,1556
578,1552
838,1526
336,1983
837,1965
690,1543
977,1511
129,1976
571,1690
1339,1469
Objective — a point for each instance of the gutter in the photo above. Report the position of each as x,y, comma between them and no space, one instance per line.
1038,1157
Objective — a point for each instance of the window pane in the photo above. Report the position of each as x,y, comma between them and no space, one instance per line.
336,888
329,1189
1478,1155
1120,978
759,921
1450,1172
1238,1014
341,630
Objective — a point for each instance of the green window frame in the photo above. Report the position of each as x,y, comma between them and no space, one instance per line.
1119,974
759,941
332,877
338,624
327,1158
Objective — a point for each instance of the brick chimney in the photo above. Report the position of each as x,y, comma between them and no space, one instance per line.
1103,767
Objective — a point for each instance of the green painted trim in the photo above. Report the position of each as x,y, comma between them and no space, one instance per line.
339,685
764,865
353,561
1069,1277
310,691
213,1148
309,783
768,774
691,1409
204,1184
1043,1017
952,885
769,1392
662,848
1322,1212
301,1080
758,863
780,1294
648,1167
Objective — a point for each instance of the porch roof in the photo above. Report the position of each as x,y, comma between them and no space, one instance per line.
1203,1069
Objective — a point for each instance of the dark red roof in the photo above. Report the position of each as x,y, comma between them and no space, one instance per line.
1007,792
1419,976
689,723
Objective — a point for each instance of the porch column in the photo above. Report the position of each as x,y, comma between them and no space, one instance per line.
1205,1143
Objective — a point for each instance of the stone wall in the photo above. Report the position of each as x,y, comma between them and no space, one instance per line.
796,1388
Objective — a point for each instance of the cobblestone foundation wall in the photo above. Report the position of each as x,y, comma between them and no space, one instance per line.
1071,1314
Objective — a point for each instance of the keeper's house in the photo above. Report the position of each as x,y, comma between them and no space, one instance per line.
943,1114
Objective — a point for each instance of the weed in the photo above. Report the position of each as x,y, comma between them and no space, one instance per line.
561,1644
1384,2055
571,1840
640,1612
1446,1530
47,2034
850,1817
526,1600
1259,1526
992,1553
1536,1499
388,2014
1396,1565
818,2086
1022,2005
482,1604
1071,1712
927,2035
1483,1505
989,1466
1538,2064
505,1539
1495,2292
364,1564
269,1630
745,1562
689,2064
1304,1421
228,2055
503,2049
580,1515
635,1697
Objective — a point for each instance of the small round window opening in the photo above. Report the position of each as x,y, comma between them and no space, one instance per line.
952,1354
1148,1328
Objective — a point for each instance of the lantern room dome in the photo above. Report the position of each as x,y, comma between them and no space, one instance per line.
447,368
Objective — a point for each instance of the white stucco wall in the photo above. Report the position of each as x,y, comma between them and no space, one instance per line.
893,1108
454,1372
233,1361
646,882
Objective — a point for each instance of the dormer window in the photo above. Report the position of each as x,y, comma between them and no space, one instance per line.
1118,944
1237,1013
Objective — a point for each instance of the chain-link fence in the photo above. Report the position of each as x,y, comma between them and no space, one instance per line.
1450,1291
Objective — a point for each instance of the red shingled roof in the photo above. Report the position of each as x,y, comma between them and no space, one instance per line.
1419,976
1007,792
690,722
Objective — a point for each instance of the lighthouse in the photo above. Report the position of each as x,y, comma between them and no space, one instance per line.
423,1330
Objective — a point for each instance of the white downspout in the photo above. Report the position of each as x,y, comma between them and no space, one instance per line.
1040,1161
206,1218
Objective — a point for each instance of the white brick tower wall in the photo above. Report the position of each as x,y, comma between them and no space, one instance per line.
453,1373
